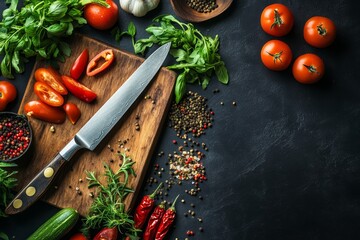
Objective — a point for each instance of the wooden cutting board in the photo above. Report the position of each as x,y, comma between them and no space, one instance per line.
149,113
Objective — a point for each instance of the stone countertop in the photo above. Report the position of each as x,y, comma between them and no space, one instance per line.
284,162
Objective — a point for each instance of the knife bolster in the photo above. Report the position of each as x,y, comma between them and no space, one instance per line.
70,149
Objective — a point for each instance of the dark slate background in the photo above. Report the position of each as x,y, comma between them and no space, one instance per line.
284,162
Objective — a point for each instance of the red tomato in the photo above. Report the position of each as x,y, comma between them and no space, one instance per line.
78,236
106,57
48,95
52,78
72,111
276,55
42,111
101,17
308,68
107,234
319,32
79,65
8,94
79,90
277,20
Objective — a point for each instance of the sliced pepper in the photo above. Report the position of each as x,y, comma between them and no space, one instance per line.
100,62
78,90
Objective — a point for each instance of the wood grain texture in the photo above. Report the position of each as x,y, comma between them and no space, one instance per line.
139,144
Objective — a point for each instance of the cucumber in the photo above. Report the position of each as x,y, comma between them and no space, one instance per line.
57,226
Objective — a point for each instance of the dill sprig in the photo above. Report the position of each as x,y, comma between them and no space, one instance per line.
108,208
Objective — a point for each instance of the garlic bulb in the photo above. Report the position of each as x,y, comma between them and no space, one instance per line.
138,7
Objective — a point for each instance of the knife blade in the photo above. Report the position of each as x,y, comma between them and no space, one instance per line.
94,131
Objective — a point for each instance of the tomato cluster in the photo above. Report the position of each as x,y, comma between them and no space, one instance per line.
277,20
52,88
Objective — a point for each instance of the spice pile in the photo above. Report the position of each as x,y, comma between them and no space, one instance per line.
191,115
14,137
202,6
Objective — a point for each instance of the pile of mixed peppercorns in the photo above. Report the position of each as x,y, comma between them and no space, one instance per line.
14,136
191,115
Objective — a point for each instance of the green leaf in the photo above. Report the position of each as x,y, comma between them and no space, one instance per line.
179,54
5,67
205,82
57,29
3,236
180,86
16,63
57,10
81,20
65,48
221,73
70,29
42,53
131,29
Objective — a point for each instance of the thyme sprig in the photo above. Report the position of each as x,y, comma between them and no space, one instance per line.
108,208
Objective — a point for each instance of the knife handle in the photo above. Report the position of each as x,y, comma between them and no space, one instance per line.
34,190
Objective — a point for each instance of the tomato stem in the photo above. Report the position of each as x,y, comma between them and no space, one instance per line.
276,56
321,30
311,68
277,19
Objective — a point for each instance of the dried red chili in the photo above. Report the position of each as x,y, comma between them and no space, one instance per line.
144,208
154,222
166,222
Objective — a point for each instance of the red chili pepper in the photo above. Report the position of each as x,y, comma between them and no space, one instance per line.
94,67
143,209
166,221
154,222
79,65
78,90
107,234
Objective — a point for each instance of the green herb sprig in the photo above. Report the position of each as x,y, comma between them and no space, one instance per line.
197,56
108,208
38,29
7,182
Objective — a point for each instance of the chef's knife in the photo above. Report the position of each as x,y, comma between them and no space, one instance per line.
94,131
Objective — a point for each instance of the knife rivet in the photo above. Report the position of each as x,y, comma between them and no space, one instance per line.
17,203
30,191
49,172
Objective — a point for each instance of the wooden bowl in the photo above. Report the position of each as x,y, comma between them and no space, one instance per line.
182,10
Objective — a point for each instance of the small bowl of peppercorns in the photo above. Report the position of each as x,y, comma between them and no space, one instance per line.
199,10
15,137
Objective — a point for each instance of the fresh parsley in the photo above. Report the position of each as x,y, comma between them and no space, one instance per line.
197,56
38,29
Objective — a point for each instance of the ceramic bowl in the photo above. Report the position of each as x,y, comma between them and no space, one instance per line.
15,137
187,13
